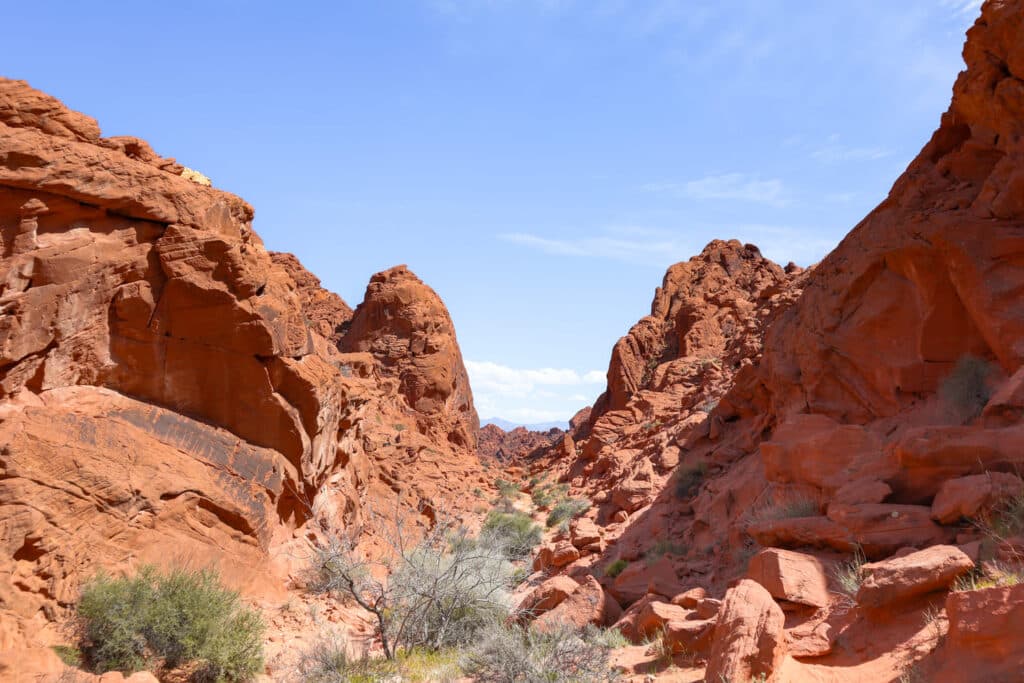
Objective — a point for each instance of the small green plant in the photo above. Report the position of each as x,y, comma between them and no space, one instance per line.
399,427
69,654
991,575
560,654
967,388
847,574
689,479
179,618
513,532
610,638
662,548
328,661
616,568
566,509
658,646
506,489
477,492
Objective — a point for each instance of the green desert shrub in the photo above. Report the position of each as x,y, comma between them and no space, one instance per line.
169,620
329,660
967,387
616,568
566,509
561,654
506,489
513,532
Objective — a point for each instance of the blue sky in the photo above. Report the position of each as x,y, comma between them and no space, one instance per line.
538,162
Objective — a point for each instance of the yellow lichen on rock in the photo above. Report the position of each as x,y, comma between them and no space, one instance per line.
195,177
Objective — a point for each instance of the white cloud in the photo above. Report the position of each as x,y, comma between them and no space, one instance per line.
631,244
731,186
488,377
531,394
963,6
836,152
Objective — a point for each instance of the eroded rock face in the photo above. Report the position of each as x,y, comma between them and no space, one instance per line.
325,311
406,327
172,393
884,411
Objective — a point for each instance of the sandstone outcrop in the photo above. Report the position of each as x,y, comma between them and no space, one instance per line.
406,327
515,445
170,392
907,576
870,404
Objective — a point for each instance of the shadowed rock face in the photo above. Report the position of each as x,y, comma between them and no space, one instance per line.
171,392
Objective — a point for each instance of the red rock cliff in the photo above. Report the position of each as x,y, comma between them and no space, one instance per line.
170,392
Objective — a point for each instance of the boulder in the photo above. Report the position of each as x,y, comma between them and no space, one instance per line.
907,576
555,555
968,496
638,579
588,604
546,596
690,598
584,532
984,630
791,576
748,640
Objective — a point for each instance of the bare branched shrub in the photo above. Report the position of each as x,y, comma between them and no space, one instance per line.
561,654
436,591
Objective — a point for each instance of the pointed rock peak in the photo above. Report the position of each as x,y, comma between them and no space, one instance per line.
407,328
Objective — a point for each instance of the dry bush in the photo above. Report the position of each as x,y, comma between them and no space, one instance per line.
561,654
440,590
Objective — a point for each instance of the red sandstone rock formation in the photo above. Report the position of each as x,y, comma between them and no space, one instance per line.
885,408
406,327
513,446
170,392
325,311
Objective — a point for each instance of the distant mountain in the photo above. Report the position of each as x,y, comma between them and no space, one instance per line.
537,427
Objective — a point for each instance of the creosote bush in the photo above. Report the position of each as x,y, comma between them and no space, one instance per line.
169,620
512,532
561,654
566,509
